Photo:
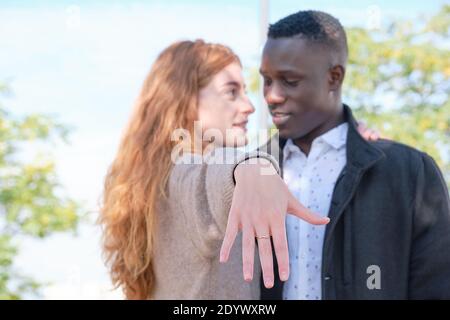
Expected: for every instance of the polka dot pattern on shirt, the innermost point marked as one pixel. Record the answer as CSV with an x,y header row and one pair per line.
x,y
311,179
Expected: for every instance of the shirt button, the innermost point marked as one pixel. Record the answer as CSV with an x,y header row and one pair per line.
x,y
326,278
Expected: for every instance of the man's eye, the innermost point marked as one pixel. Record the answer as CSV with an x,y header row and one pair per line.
x,y
291,83
267,81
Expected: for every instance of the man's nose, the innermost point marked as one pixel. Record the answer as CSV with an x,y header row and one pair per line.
x,y
274,95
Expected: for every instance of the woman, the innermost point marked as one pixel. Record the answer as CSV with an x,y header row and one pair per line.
x,y
164,219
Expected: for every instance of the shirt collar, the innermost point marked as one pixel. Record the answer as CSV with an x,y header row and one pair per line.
x,y
335,138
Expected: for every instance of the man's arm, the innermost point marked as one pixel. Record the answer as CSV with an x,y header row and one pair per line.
x,y
430,253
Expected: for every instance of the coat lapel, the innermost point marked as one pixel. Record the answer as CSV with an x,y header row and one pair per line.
x,y
361,155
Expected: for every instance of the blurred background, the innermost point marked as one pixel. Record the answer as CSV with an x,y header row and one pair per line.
x,y
69,74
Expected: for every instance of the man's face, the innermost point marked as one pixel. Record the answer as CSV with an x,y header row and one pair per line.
x,y
297,86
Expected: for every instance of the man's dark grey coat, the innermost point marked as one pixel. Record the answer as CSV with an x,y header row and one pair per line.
x,y
390,210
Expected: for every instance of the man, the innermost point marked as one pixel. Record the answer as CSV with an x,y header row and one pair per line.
x,y
389,235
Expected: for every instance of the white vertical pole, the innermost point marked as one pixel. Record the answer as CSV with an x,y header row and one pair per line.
x,y
263,112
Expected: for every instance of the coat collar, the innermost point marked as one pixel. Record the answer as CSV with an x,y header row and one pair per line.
x,y
361,154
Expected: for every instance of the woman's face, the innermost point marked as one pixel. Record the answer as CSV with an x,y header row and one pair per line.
x,y
223,108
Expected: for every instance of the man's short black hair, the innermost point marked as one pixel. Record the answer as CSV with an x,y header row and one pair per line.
x,y
315,26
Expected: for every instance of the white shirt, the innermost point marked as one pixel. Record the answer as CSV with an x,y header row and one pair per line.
x,y
311,180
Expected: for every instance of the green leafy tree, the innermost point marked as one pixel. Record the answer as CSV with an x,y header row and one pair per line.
x,y
398,80
32,201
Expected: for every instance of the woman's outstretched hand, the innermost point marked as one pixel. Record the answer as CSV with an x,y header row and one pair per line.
x,y
260,202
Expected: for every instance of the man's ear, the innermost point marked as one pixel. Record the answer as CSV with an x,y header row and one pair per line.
x,y
336,76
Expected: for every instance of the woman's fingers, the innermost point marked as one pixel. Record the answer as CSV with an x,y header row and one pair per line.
x,y
248,252
280,246
230,236
374,136
362,128
265,256
297,209
367,133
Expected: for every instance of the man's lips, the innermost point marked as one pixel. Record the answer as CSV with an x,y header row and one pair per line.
x,y
280,118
